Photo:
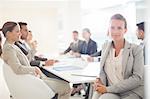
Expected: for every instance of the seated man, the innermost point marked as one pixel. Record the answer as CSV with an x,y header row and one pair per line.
x,y
89,46
19,63
29,50
141,36
74,46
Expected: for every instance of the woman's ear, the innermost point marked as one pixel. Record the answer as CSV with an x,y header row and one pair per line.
x,y
125,31
7,33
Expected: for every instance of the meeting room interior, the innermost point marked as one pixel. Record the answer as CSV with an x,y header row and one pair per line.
x,y
74,49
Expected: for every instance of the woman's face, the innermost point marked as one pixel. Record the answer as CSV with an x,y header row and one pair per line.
x,y
117,29
14,35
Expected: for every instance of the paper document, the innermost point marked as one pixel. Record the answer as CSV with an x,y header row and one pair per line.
x,y
93,70
66,68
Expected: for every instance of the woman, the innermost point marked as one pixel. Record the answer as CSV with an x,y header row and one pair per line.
x,y
11,52
122,65
19,63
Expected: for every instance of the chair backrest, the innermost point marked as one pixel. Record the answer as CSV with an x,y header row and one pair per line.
x,y
4,91
26,86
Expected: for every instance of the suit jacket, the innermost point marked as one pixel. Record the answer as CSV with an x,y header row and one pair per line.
x,y
30,53
96,54
73,47
133,68
15,58
91,47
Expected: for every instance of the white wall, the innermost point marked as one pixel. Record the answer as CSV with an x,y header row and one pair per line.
x,y
98,20
44,18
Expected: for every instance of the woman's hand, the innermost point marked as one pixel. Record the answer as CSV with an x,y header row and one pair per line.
x,y
99,87
97,82
37,72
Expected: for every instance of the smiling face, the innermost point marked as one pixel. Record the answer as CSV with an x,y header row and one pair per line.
x,y
14,34
24,32
75,36
117,29
140,34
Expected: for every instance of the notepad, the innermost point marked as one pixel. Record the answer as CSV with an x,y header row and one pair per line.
x,y
66,68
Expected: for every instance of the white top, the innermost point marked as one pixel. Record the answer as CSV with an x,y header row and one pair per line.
x,y
113,67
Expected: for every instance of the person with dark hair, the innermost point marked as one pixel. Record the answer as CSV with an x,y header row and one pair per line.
x,y
141,36
88,47
122,65
20,64
32,43
0,44
140,30
74,46
30,51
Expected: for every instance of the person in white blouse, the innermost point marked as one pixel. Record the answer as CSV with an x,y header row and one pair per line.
x,y
122,65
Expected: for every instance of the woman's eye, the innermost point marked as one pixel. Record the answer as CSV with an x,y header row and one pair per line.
x,y
119,28
112,27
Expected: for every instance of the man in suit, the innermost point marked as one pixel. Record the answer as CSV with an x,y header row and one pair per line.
x,y
74,46
19,62
140,31
89,46
141,36
27,50
122,65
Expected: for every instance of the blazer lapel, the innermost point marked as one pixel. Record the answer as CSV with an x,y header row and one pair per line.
x,y
125,56
105,52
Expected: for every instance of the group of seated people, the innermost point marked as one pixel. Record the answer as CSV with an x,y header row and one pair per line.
x,y
122,63
86,46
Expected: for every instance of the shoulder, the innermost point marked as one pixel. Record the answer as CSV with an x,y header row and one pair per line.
x,y
136,48
80,40
7,47
92,41
106,43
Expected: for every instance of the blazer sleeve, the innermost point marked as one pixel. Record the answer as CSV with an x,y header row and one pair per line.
x,y
102,74
134,81
11,58
96,54
68,49
35,63
31,54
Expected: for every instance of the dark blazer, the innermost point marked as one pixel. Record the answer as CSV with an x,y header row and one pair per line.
x,y
96,54
91,47
74,48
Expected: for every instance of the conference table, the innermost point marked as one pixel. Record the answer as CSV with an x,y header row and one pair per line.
x,y
74,70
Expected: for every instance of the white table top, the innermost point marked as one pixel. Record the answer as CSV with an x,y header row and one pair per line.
x,y
75,70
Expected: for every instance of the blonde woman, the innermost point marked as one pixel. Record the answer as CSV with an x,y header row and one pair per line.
x,y
122,65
